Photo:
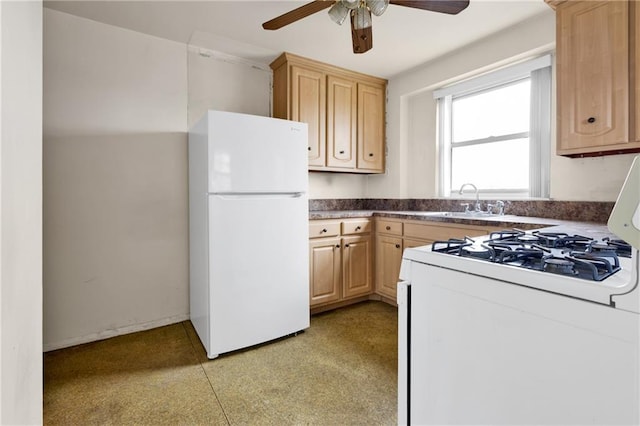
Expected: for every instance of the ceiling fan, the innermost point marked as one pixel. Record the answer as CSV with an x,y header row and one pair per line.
x,y
360,12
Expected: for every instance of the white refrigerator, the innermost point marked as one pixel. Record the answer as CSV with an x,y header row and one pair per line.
x,y
248,228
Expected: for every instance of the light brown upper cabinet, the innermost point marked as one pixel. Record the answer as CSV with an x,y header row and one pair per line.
x,y
598,85
342,108
345,111
371,100
307,89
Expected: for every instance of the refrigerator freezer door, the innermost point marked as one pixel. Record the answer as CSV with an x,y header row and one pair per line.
x,y
253,154
258,269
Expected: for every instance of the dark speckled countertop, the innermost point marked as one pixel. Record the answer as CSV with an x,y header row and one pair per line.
x,y
526,212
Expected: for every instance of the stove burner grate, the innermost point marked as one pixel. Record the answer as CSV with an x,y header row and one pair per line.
x,y
558,253
560,239
451,246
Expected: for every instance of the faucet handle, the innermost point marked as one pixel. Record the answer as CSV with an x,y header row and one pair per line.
x,y
500,205
490,208
466,207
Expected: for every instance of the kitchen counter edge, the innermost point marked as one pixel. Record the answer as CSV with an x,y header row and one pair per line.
x,y
507,221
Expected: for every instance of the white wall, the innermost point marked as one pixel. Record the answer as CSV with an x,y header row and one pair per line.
x,y
21,213
117,108
115,181
411,129
226,83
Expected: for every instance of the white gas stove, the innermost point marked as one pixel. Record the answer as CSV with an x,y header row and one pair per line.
x,y
539,327
594,268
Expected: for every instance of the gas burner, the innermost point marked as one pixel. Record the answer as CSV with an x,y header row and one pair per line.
x,y
500,247
529,258
480,252
560,239
560,266
528,238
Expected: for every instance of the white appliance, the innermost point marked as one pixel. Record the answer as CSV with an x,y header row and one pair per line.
x,y
510,339
248,227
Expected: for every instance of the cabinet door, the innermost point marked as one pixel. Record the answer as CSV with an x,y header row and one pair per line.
x,y
593,75
356,266
324,270
308,105
371,122
341,122
388,259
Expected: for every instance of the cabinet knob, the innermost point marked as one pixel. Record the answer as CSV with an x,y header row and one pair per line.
x,y
308,148
591,119
388,228
371,154
397,245
346,246
341,152
323,231
358,228
337,245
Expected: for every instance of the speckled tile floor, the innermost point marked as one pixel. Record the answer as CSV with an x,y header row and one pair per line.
x,y
341,371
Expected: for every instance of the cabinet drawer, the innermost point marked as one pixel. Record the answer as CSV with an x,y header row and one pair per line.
x,y
440,232
359,226
389,227
324,229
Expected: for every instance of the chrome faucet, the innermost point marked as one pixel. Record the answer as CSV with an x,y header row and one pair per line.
x,y
499,204
477,207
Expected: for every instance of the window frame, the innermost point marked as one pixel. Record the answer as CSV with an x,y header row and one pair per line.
x,y
539,137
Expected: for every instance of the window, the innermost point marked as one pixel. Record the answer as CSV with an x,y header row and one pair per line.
x,y
494,132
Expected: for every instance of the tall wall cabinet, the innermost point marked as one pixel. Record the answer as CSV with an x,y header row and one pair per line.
x,y
598,83
345,111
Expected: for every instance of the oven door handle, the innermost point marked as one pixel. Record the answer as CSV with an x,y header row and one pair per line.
x,y
404,351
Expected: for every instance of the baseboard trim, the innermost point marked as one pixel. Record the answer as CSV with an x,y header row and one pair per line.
x,y
106,334
343,303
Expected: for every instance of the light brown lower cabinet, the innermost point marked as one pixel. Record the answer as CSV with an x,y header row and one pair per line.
x,y
388,258
344,253
324,270
340,260
395,235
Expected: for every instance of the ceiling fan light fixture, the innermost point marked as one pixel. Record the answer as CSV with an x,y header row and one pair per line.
x,y
338,12
350,4
361,18
377,7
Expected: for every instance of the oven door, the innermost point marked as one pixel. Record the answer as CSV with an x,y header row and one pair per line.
x,y
484,351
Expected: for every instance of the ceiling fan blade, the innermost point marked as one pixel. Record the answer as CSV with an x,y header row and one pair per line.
x,y
362,38
451,7
297,14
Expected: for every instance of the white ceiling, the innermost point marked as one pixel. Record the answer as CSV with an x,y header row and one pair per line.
x,y
402,37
